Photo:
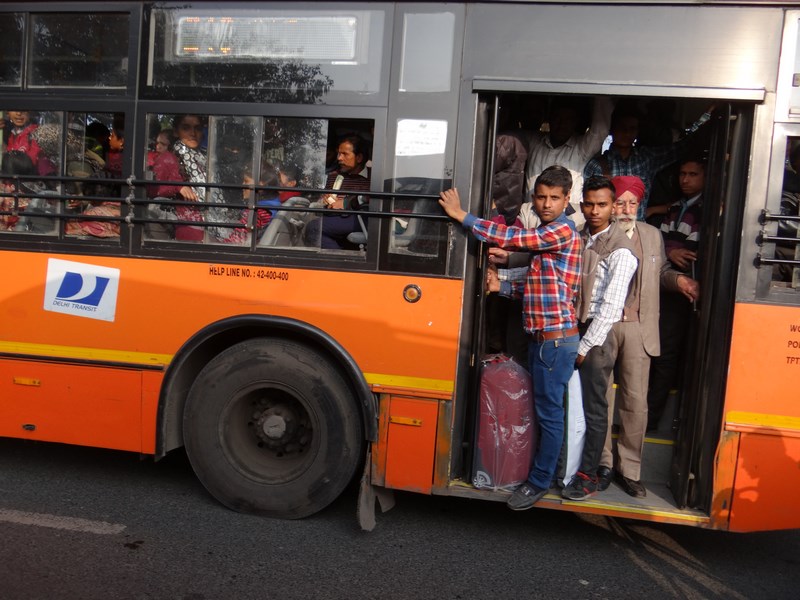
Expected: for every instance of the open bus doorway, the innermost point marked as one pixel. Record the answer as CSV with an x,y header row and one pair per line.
x,y
677,462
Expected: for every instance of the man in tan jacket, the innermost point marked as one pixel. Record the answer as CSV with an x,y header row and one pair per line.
x,y
637,337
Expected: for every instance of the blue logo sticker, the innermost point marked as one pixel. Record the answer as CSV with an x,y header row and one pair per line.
x,y
74,288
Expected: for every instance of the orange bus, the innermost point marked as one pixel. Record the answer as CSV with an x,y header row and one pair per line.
x,y
286,368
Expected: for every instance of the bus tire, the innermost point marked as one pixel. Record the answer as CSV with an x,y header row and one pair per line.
x,y
271,427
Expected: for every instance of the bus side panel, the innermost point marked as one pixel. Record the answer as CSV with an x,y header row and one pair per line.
x,y
411,443
72,404
767,483
151,390
765,361
761,405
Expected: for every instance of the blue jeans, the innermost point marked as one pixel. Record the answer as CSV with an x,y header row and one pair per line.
x,y
551,364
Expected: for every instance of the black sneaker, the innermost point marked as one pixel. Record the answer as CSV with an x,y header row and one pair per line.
x,y
580,487
631,486
524,497
604,477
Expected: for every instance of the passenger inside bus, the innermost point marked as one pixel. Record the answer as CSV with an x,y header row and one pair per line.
x,y
288,176
193,166
351,175
608,265
19,131
626,157
681,230
566,144
14,162
264,198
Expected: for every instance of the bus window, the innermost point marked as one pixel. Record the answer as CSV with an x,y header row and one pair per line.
x,y
95,143
12,30
271,162
786,272
32,150
78,50
281,55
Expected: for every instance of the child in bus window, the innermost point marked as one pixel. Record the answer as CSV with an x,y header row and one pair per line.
x,y
20,137
264,198
288,176
116,143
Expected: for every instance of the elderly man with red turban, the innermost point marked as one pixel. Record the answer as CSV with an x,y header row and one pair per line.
x,y
636,337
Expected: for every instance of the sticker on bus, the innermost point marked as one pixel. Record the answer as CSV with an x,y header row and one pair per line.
x,y
82,290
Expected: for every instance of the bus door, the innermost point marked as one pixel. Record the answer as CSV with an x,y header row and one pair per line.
x,y
475,298
705,374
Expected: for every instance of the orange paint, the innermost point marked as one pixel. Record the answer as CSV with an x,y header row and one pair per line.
x,y
761,405
161,304
767,484
411,444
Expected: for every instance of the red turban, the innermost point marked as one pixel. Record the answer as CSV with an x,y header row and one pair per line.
x,y
629,183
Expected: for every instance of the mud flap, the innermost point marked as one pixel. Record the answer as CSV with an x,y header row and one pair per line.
x,y
366,497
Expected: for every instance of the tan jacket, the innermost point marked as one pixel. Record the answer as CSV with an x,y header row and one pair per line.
x,y
653,273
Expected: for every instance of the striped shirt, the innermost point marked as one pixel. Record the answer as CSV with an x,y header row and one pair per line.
x,y
612,280
553,277
681,226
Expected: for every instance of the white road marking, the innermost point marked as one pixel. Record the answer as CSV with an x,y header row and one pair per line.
x,y
55,522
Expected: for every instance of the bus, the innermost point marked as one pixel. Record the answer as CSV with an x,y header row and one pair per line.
x,y
287,369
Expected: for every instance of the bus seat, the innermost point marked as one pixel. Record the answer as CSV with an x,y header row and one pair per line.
x,y
286,227
422,206
359,237
418,234
40,206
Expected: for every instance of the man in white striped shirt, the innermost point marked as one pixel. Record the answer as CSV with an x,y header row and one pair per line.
x,y
608,266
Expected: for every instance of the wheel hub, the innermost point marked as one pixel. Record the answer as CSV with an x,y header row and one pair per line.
x,y
280,428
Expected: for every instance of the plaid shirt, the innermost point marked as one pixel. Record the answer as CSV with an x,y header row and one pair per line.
x,y
553,278
644,162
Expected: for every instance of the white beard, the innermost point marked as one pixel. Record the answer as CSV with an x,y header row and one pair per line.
x,y
626,224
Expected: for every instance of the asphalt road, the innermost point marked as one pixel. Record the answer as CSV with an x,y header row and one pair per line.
x,y
92,524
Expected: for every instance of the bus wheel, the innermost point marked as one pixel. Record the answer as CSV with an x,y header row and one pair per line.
x,y
271,427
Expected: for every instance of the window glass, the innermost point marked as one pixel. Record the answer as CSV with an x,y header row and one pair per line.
x,y
289,56
427,59
12,30
78,50
32,149
794,93
216,179
48,158
95,142
785,274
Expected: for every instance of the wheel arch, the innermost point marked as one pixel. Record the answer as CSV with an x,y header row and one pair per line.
x,y
207,343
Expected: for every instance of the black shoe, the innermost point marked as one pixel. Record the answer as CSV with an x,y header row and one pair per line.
x,y
524,497
580,488
604,476
631,487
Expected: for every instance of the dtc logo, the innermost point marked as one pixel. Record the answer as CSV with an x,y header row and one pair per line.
x,y
82,289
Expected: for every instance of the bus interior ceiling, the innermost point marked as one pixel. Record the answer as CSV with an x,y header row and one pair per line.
x,y
662,122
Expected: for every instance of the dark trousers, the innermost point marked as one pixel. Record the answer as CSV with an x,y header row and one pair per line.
x,y
595,372
505,330
675,320
332,231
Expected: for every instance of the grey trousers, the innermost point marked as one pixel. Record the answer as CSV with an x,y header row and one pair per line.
x,y
632,374
595,374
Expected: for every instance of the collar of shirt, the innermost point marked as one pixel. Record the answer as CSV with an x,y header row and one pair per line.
x,y
592,237
692,201
568,144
